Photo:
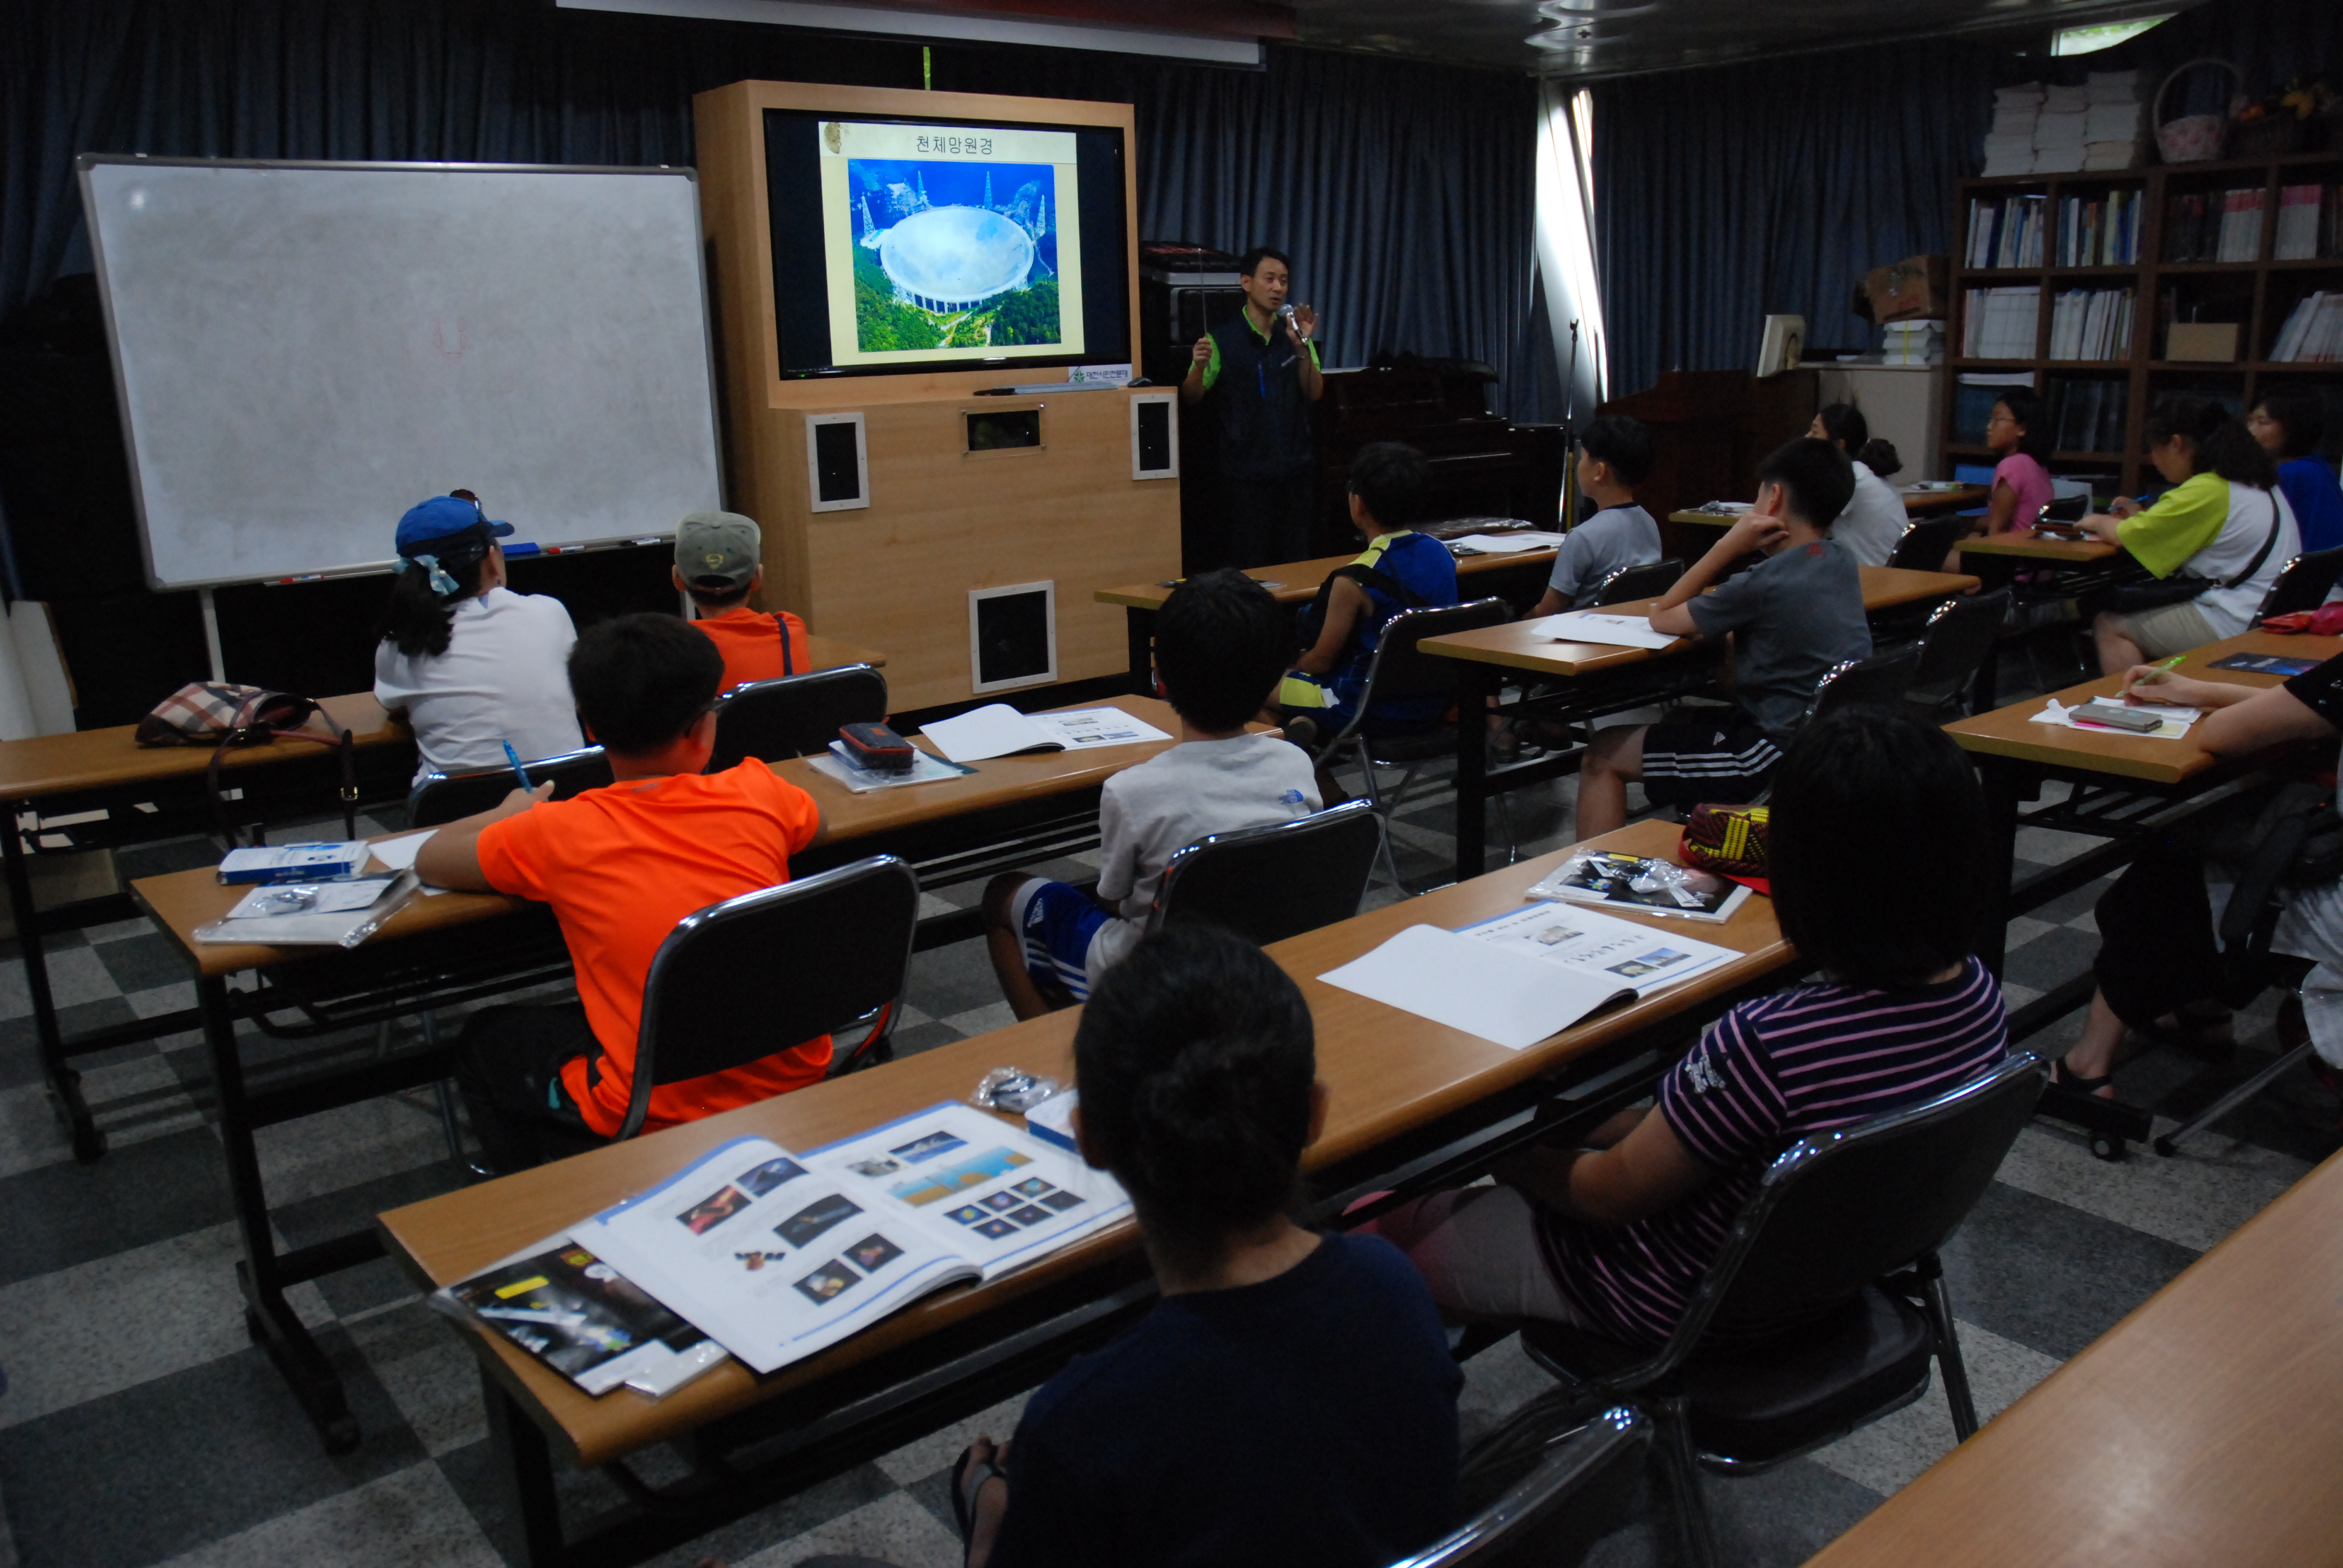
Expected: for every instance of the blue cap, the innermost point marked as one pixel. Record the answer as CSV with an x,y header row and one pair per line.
x,y
444,517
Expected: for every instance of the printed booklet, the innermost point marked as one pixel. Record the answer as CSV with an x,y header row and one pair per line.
x,y
1000,730
574,1313
775,1255
1647,885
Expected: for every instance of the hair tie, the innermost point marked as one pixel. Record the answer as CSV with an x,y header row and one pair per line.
x,y
441,583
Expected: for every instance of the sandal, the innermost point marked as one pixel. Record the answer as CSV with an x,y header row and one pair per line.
x,y
963,1495
2074,1083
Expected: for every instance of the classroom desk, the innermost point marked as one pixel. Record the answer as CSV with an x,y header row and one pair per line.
x,y
2060,569
1293,584
1608,678
1682,535
2121,784
1394,1082
2203,1428
452,946
93,789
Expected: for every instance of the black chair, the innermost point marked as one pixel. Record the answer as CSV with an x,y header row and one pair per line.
x,y
1841,1240
2067,509
1552,1516
2303,583
446,797
1400,671
1647,581
1269,883
1923,544
1879,682
762,972
1961,636
796,714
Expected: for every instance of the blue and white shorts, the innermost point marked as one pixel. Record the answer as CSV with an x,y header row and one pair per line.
x,y
1056,922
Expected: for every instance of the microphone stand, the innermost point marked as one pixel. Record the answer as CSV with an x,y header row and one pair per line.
x,y
1570,438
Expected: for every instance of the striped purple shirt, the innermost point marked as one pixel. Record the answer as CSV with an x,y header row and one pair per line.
x,y
1766,1075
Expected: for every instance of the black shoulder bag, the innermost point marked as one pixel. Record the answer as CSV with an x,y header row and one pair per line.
x,y
2181,587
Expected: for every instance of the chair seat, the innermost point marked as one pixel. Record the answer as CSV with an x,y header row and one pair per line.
x,y
1759,1402
1412,746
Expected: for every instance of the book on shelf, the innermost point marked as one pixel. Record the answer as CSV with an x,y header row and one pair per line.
x,y
2099,231
2090,416
2091,324
775,1255
1999,323
2313,333
2241,226
2008,232
2306,222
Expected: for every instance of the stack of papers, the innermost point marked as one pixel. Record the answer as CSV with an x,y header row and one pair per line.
x,y
2009,143
2115,122
1505,544
1912,343
1000,730
2058,131
1597,627
1521,978
2177,719
925,769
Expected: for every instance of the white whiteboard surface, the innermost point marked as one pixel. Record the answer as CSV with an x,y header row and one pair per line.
x,y
306,350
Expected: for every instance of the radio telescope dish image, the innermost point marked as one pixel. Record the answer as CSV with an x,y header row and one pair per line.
x,y
953,254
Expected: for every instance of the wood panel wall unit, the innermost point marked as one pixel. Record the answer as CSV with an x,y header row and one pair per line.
x,y
943,519
1711,428
2168,284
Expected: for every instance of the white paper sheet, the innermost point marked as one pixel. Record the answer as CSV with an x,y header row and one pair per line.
x,y
924,769
1505,997
1590,943
1086,729
1594,626
399,853
2177,719
996,729
1505,544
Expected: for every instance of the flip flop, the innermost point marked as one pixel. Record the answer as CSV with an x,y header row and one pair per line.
x,y
963,1495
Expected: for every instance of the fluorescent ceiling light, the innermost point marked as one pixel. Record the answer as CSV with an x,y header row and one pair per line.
x,y
2107,36
836,18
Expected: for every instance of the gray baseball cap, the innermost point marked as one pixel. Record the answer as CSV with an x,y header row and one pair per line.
x,y
717,545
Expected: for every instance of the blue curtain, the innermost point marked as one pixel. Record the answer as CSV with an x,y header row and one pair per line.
x,y
1725,195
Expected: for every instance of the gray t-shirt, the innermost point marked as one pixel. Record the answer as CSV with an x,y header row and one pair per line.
x,y
1149,813
1793,614
1613,537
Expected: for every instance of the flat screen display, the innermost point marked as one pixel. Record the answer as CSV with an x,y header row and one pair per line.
x,y
915,244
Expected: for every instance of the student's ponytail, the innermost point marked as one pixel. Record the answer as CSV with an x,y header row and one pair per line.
x,y
1878,454
418,619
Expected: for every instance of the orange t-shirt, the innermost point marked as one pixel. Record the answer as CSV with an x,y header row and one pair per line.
x,y
750,642
620,866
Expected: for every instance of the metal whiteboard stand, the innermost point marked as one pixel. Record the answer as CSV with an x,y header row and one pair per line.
x,y
211,633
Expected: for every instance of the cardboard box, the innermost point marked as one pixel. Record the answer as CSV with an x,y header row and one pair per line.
x,y
2206,342
1917,286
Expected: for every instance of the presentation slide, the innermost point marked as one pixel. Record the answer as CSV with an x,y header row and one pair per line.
x,y
949,242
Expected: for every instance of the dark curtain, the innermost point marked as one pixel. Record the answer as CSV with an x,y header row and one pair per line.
x,y
1723,195
1403,192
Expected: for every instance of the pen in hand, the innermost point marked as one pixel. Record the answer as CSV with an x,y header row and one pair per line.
x,y
2154,676
519,772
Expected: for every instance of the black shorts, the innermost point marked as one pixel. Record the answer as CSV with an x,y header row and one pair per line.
x,y
1691,761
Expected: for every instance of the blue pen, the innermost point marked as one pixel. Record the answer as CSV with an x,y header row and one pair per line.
x,y
519,772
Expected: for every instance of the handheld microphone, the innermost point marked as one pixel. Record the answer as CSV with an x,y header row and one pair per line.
x,y
1285,314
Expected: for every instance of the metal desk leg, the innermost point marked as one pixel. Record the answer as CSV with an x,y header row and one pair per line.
x,y
64,1083
268,1317
1138,626
1474,683
525,1466
2002,779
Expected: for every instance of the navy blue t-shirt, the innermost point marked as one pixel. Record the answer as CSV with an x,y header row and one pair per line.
x,y
1308,1422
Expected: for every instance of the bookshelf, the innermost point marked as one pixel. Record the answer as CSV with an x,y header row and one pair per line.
x,y
2255,295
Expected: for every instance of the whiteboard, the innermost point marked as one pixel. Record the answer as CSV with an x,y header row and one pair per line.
x,y
306,350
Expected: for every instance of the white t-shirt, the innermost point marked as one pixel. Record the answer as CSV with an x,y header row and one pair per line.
x,y
1614,537
505,677
2242,533
1149,813
1872,521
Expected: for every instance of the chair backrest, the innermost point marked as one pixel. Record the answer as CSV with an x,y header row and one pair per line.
x,y
2303,583
2067,508
1545,1517
1269,883
447,797
1962,635
1973,473
1840,1210
1879,682
1923,544
760,973
1646,581
796,714
1400,671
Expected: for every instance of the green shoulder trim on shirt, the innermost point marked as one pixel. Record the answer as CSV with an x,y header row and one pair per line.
x,y
1373,556
2184,521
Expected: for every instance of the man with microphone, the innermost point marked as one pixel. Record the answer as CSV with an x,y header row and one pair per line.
x,y
1260,369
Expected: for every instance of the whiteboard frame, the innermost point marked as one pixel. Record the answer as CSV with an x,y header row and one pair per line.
x,y
85,163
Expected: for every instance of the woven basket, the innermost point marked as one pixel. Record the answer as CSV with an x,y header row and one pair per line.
x,y
2193,138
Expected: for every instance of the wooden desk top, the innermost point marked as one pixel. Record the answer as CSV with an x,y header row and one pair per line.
x,y
1298,581
104,759
2011,732
182,900
2031,546
1385,1072
2203,1428
1914,503
1517,647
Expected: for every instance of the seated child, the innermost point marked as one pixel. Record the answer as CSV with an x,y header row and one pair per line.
x,y
1614,457
1875,518
720,562
620,866
1292,1397
1615,1239
471,663
1220,642
1399,570
1793,617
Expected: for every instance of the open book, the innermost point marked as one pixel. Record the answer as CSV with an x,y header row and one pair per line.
x,y
1000,730
574,1314
1646,884
776,1255
1602,626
